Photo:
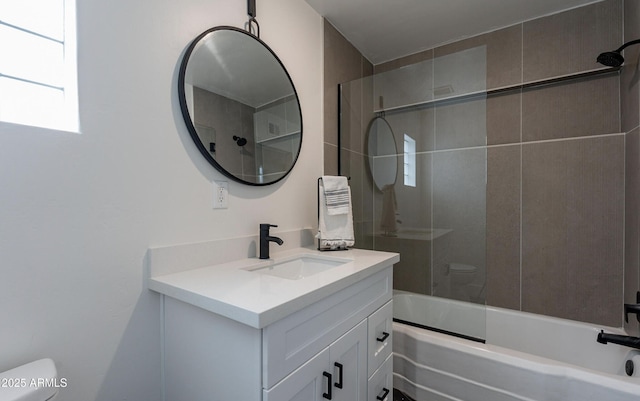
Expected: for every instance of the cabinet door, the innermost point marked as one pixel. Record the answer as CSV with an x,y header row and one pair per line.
x,y
338,373
348,356
310,382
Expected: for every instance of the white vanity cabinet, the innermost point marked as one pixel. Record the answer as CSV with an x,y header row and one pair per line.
x,y
337,348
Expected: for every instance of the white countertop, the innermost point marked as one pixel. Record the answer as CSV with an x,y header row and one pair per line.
x,y
258,299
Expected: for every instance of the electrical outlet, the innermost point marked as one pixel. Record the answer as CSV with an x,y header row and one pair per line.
x,y
220,194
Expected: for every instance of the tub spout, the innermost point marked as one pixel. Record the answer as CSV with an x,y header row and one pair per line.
x,y
627,341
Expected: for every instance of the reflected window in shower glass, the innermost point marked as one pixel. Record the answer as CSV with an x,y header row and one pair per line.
x,y
409,161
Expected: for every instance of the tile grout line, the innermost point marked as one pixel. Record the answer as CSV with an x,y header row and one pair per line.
x,y
502,145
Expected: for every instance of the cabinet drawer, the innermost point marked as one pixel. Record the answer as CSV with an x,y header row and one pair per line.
x,y
306,383
380,336
290,342
381,383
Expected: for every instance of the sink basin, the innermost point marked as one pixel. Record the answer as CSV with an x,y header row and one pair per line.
x,y
298,267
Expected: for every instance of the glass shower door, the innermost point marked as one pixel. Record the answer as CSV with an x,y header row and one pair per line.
x,y
425,126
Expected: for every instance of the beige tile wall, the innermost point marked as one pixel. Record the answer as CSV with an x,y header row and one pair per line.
x,y
504,59
570,41
503,226
577,109
342,63
558,202
572,228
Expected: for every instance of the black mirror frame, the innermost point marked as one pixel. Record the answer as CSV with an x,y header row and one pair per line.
x,y
370,157
187,116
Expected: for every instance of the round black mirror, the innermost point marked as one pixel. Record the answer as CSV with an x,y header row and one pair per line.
x,y
240,106
382,153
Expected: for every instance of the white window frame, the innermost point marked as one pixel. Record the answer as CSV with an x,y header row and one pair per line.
x,y
69,116
409,161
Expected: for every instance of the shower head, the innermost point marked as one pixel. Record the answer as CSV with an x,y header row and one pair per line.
x,y
239,141
614,58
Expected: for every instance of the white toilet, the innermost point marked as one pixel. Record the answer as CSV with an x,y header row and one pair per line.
x,y
461,275
35,381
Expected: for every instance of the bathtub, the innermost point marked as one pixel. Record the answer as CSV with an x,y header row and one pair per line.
x,y
525,356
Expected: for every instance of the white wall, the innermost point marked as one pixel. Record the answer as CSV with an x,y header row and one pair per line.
x,y
78,212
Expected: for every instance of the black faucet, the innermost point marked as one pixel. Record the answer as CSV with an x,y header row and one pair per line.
x,y
265,238
627,341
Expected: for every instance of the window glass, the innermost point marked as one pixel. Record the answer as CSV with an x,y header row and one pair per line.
x,y
30,57
44,17
409,161
38,80
31,104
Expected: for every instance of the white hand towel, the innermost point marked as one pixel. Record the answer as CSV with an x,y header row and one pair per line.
x,y
337,194
334,231
389,209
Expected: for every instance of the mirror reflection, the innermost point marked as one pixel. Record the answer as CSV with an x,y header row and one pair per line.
x,y
383,154
240,106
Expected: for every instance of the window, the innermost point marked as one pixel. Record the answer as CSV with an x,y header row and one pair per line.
x,y
38,80
409,161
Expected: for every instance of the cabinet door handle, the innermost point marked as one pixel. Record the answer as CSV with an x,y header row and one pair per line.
x,y
339,382
385,335
327,395
383,394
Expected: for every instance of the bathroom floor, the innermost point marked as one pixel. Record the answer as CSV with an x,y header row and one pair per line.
x,y
400,396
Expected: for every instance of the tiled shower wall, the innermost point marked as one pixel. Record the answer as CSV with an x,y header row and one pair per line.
x,y
563,186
